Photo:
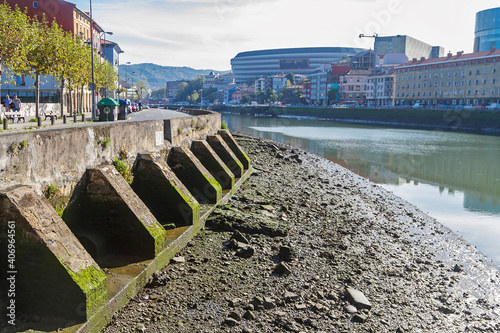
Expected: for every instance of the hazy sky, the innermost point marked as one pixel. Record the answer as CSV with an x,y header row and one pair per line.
x,y
206,34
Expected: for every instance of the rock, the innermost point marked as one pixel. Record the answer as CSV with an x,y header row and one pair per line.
x,y
301,306
359,318
234,303
246,330
249,315
358,298
238,236
169,226
256,301
458,269
350,309
286,253
269,303
235,315
268,208
178,260
141,327
282,269
290,297
246,252
231,321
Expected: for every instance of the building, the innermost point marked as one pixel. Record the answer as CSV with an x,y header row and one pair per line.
x,y
353,85
381,88
319,87
261,84
411,47
306,91
279,82
77,22
466,79
212,80
173,88
487,31
253,65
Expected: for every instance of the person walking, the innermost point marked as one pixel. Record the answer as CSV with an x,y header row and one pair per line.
x,y
17,107
6,103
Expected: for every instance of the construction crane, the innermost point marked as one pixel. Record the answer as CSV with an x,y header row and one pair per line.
x,y
368,36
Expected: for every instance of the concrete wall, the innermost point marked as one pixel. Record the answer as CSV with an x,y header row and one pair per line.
x,y
61,156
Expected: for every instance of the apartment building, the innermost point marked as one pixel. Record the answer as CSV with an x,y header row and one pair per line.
x,y
353,86
466,79
381,88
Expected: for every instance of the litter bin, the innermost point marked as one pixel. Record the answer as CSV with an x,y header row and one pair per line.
x,y
122,114
108,109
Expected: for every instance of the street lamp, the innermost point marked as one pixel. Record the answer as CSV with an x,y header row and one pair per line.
x,y
103,50
92,86
126,81
132,78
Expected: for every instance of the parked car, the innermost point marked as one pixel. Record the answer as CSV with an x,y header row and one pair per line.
x,y
134,108
459,107
493,106
469,107
479,107
417,106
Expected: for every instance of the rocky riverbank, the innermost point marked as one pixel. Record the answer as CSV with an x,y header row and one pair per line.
x,y
308,246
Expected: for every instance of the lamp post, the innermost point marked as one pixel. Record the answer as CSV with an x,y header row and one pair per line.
x,y
92,86
126,80
132,78
103,50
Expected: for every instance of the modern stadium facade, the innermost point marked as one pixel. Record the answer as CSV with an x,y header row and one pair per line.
x,y
257,64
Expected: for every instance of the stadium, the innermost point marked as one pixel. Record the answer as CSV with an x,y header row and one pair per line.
x,y
257,64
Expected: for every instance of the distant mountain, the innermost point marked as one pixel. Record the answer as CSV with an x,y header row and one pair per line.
x,y
157,75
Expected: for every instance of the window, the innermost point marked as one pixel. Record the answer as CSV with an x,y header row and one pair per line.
x,y
493,91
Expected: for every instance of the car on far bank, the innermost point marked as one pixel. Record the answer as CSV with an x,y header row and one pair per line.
x,y
417,106
493,106
469,107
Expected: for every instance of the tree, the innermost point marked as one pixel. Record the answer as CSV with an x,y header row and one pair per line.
x,y
333,95
14,29
245,99
41,55
105,75
142,90
290,77
272,96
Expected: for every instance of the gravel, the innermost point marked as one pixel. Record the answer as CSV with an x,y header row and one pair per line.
x,y
308,246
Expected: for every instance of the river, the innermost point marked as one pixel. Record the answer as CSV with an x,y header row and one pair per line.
x,y
453,177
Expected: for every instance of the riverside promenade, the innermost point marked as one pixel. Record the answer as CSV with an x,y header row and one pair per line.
x,y
31,124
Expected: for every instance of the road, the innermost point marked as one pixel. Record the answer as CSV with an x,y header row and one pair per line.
x,y
151,114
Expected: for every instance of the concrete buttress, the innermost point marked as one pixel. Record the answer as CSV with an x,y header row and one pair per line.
x,y
194,175
212,162
226,155
235,147
111,221
54,275
165,195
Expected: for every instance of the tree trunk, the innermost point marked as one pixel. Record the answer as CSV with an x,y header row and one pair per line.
x,y
37,99
61,96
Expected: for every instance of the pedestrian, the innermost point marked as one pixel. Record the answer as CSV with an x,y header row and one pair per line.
x,y
17,104
6,103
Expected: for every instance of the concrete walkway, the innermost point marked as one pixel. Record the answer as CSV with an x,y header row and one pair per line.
x,y
30,123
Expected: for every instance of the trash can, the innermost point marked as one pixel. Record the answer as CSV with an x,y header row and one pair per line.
x,y
108,109
122,114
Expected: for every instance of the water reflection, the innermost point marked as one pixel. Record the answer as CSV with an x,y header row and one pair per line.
x,y
457,168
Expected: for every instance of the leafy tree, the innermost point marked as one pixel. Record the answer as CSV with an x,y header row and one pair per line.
x,y
333,95
290,77
105,75
141,88
272,96
245,99
41,55
186,90
14,37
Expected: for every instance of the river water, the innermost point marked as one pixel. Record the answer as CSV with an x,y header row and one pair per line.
x,y
453,177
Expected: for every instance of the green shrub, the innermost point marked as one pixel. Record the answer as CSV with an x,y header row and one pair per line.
x,y
104,143
51,191
124,170
223,125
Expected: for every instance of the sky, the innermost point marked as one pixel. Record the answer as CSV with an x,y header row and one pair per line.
x,y
206,34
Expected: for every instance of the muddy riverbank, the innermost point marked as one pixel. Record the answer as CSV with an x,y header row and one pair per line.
x,y
308,246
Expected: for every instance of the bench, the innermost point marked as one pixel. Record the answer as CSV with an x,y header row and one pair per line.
x,y
13,115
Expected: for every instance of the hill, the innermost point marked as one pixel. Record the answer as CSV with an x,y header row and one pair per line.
x,y
157,75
